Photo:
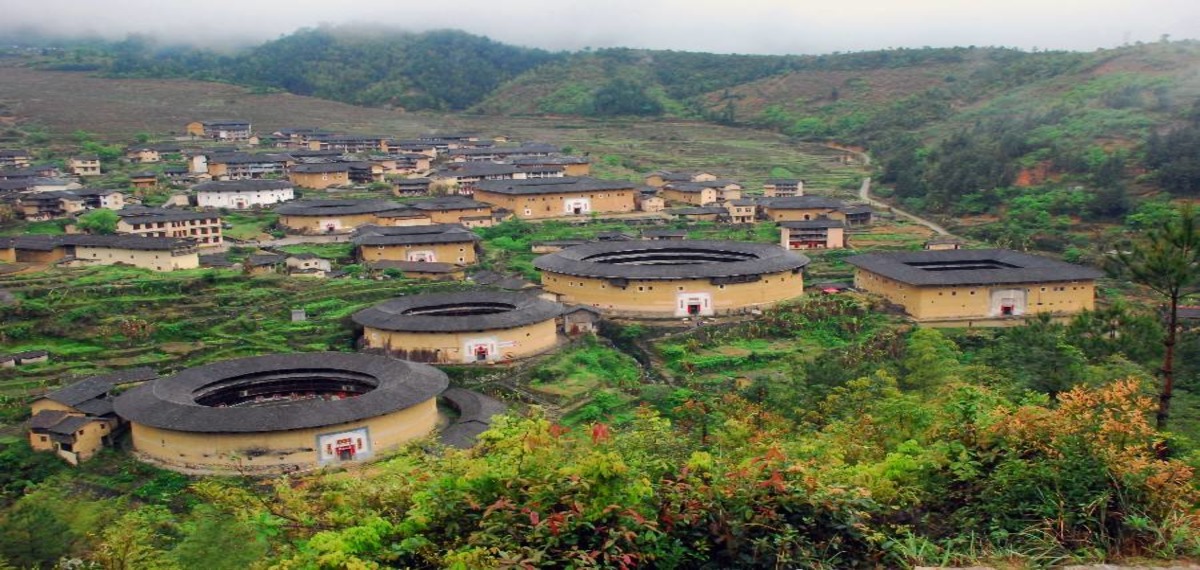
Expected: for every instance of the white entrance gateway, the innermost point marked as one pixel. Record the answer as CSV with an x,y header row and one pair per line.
x,y
693,305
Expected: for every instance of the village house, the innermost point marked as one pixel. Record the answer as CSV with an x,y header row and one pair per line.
x,y
220,130
84,165
438,243
501,153
456,210
415,147
555,197
858,215
240,165
12,158
143,180
699,213
423,270
142,155
742,211
691,193
23,358
243,194
313,217
783,187
945,242
36,184
320,176
154,253
467,175
100,198
362,172
264,263
408,163
352,144
580,319
661,178
297,137
203,227
653,235
410,187
307,264
40,206
570,165
821,233
33,249
649,201
975,287
77,421
800,208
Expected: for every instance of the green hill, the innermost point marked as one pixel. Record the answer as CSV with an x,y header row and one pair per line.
x,y
954,131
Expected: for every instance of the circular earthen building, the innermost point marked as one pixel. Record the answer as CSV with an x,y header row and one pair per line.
x,y
461,328
282,412
661,279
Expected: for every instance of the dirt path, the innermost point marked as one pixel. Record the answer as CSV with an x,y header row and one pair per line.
x,y
864,192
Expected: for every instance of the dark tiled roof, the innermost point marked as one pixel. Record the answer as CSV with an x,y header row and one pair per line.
x,y
69,425
336,207
691,187
665,233
137,215
128,242
500,281
46,419
413,235
552,185
802,203
857,209
975,267
263,260
97,386
475,416
783,181
215,260
812,224
697,210
321,167
243,186
671,259
448,203
170,403
404,313
1189,313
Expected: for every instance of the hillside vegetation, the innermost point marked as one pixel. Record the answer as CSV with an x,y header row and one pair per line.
x,y
955,131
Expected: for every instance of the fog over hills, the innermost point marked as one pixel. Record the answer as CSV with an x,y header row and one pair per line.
x,y
753,26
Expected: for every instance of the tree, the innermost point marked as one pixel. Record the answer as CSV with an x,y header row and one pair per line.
x,y
930,360
100,221
1167,260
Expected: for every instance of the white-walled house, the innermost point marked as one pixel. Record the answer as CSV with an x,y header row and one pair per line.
x,y
243,194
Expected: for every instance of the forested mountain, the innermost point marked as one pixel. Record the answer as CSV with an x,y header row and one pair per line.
x,y
442,70
956,131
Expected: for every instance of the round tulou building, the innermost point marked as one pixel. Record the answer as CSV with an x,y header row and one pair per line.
x,y
283,412
461,328
662,279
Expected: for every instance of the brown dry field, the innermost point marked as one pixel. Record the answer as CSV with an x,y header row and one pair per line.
x,y
117,109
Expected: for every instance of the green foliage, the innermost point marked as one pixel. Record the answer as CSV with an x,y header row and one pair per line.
x,y
101,221
930,360
33,535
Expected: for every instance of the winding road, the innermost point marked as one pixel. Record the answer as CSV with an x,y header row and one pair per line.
x,y
864,193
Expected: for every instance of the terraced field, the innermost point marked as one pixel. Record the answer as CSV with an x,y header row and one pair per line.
x,y
100,319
